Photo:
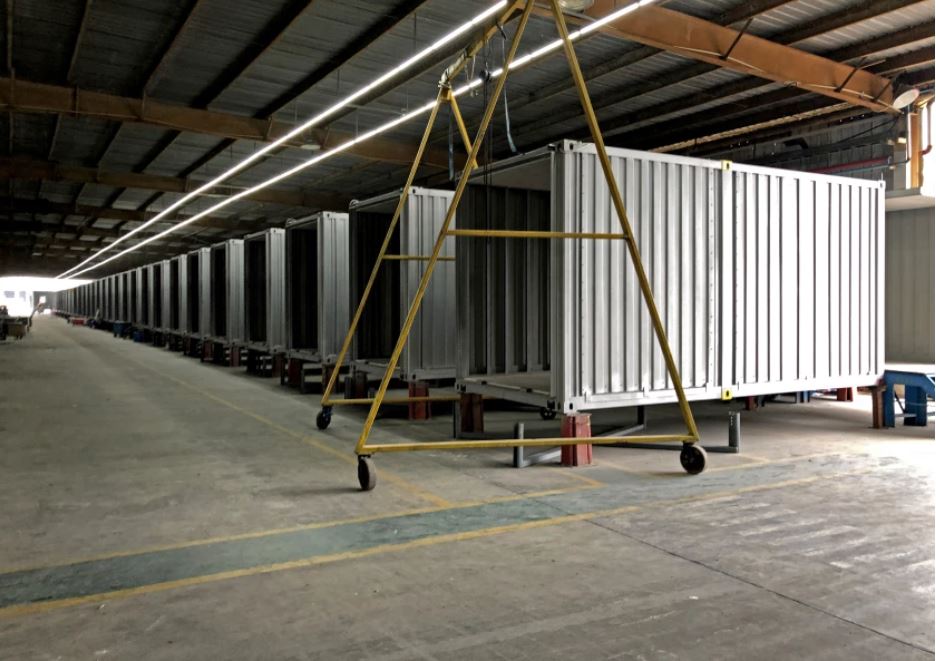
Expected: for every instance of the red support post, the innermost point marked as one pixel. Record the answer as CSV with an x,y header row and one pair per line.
x,y
845,394
419,410
576,426
877,406
471,412
278,363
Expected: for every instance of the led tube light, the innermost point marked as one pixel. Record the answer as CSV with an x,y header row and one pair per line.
x,y
516,64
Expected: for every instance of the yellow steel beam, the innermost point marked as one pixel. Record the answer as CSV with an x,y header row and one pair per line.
x,y
527,443
395,400
533,234
414,258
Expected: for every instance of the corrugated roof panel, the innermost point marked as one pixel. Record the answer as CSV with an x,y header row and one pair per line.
x,y
47,30
133,142
216,34
922,12
32,135
123,42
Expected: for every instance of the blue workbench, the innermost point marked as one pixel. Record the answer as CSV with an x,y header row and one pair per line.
x,y
919,382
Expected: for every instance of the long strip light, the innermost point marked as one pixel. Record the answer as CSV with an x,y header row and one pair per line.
x,y
383,128
305,126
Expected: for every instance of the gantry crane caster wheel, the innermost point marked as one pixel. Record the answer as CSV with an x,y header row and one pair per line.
x,y
323,419
366,473
547,414
693,458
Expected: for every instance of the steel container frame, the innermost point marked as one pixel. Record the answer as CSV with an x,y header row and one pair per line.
x,y
179,304
430,353
734,292
318,289
165,295
153,280
265,291
123,296
137,296
198,296
226,301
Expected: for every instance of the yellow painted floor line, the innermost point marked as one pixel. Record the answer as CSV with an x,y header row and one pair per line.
x,y
346,457
770,462
577,474
40,607
364,518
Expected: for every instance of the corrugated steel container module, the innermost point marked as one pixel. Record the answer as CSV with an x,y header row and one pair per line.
x,y
909,296
430,351
136,295
108,309
318,291
165,295
198,296
143,297
265,290
178,281
572,331
227,291
123,290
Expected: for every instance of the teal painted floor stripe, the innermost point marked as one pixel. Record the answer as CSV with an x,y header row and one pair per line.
x,y
134,571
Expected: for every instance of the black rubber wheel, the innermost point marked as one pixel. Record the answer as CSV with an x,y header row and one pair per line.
x,y
323,419
547,414
693,458
366,473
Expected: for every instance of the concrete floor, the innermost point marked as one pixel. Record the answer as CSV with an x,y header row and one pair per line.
x,y
158,508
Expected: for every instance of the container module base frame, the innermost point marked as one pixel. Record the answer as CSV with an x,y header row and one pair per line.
x,y
692,455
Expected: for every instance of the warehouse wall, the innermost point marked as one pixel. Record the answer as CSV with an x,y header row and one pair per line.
x,y
910,271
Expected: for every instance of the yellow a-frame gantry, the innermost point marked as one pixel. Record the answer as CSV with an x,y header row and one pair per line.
x,y
692,456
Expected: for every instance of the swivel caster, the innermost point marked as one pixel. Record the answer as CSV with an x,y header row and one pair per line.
x,y
547,414
692,457
323,419
366,473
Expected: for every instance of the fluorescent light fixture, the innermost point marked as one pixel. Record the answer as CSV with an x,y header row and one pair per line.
x,y
305,126
516,64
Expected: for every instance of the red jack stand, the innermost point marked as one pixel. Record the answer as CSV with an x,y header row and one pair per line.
x,y
278,365
471,412
845,394
419,410
576,426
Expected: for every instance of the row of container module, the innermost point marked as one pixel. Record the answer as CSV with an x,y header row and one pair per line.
x,y
767,281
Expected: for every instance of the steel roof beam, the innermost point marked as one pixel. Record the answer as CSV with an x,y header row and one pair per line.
x,y
36,170
702,33
741,13
680,129
46,207
773,60
750,128
26,96
620,124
